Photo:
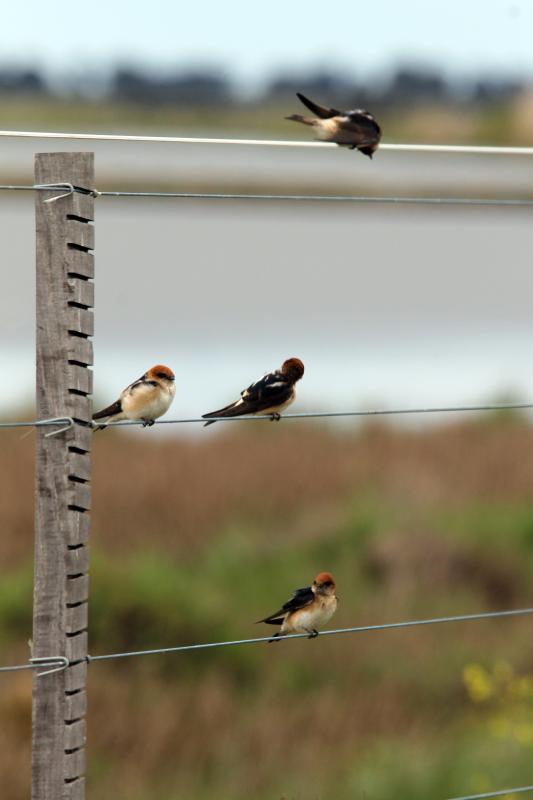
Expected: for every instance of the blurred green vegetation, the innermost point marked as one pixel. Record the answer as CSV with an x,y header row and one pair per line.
x,y
194,539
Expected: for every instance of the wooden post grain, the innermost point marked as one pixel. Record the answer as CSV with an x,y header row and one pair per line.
x,y
65,293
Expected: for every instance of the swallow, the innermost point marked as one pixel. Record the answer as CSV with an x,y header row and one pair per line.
x,y
356,129
268,395
307,610
145,399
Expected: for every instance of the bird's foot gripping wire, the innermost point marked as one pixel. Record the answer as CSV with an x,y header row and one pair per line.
x,y
275,417
313,634
147,423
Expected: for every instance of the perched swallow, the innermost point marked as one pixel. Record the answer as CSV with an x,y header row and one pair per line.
x,y
307,610
268,395
146,399
355,129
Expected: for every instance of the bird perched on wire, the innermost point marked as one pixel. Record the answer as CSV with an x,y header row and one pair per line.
x,y
307,610
356,129
145,399
267,395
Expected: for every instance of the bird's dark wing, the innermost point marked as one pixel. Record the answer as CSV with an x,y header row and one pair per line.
x,y
143,381
267,392
272,389
320,111
114,408
361,122
300,598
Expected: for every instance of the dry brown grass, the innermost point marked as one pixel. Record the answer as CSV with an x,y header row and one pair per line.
x,y
185,491
190,489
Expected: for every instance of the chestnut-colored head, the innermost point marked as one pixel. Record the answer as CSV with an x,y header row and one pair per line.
x,y
293,369
160,372
324,583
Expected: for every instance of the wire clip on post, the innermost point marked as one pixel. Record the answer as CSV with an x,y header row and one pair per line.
x,y
47,186
58,664
64,422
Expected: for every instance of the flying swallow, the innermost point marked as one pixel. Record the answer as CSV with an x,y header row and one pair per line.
x,y
268,395
145,399
307,610
356,129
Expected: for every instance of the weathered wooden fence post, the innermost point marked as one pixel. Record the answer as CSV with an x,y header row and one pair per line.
x,y
63,469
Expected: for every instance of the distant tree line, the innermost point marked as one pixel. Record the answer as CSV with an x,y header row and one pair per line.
x,y
21,81
405,86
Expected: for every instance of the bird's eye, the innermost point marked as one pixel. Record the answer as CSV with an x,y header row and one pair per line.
x,y
161,375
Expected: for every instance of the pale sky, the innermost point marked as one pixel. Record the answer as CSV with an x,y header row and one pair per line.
x,y
251,40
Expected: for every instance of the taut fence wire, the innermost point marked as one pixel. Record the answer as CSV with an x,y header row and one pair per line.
x,y
387,147
69,189
67,422
484,615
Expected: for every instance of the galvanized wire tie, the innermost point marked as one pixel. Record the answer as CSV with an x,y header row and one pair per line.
x,y
64,424
57,664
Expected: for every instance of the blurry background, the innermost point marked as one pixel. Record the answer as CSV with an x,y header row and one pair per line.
x,y
198,533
